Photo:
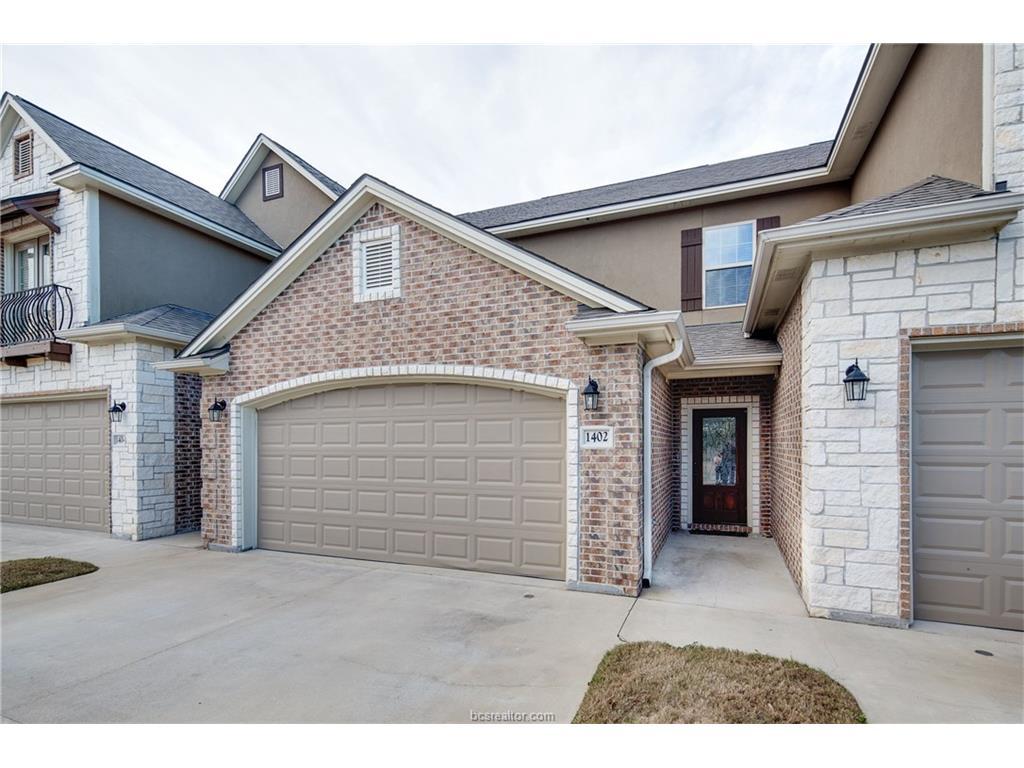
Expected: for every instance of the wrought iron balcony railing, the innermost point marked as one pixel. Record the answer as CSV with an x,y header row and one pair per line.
x,y
37,314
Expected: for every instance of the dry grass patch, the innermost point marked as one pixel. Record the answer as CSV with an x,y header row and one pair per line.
x,y
18,574
660,683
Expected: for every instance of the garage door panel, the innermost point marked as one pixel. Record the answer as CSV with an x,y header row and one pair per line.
x,y
967,486
56,463
435,474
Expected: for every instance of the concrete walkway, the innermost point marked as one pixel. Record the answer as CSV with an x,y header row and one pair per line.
x,y
168,632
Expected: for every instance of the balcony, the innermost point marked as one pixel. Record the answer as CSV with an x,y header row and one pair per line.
x,y
31,322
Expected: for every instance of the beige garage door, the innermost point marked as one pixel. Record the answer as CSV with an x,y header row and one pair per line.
x,y
54,459
968,486
452,475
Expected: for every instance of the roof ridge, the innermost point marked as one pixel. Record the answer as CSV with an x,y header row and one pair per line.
x,y
649,177
111,143
296,156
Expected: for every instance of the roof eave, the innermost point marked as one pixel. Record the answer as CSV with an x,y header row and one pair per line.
x,y
77,176
939,224
217,365
254,158
115,333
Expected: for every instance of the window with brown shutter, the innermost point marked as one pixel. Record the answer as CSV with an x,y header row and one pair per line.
x,y
692,269
273,182
22,155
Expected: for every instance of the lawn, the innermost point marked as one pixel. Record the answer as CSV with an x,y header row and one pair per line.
x,y
18,574
661,683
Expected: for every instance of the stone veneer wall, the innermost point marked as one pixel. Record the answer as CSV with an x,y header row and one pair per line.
x,y
141,446
460,308
786,444
188,453
725,392
69,247
664,458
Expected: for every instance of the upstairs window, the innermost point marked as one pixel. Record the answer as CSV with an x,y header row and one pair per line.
x,y
273,182
728,263
23,155
376,269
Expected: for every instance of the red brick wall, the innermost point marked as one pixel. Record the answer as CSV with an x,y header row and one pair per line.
x,y
664,458
729,386
786,443
457,307
188,480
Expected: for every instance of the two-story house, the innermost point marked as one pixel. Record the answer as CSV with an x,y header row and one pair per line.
x,y
111,264
822,345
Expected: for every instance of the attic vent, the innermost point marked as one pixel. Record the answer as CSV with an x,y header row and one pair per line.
x,y
22,155
376,265
273,185
786,274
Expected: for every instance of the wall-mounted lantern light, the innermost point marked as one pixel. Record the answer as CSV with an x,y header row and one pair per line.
x,y
217,409
856,382
116,411
591,396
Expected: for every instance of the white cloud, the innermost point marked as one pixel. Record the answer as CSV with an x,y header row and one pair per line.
x,y
464,128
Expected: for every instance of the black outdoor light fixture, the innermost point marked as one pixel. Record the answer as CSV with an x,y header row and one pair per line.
x,y
116,411
217,409
856,382
591,396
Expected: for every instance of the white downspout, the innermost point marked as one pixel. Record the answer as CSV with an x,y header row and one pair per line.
x,y
668,357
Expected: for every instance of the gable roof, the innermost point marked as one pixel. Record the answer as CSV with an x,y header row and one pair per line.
x,y
254,157
81,147
686,180
927,191
165,317
337,219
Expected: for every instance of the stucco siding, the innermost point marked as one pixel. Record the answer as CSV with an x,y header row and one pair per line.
x,y
641,256
933,124
146,260
286,217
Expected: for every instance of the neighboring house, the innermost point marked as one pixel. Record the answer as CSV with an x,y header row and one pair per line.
x,y
110,264
407,385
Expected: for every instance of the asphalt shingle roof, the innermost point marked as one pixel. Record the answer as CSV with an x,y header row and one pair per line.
x,y
323,178
90,150
726,340
686,180
165,317
929,191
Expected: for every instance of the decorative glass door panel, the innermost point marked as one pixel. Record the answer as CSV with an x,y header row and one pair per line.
x,y
720,467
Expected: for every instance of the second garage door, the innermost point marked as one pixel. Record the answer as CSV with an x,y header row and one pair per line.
x,y
968,503
453,475
54,463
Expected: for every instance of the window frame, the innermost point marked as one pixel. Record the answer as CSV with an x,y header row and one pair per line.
x,y
43,266
279,167
704,268
15,141
360,241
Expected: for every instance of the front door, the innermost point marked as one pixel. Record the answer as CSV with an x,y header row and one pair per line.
x,y
720,467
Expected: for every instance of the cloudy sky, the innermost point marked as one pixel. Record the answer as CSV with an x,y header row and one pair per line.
x,y
464,128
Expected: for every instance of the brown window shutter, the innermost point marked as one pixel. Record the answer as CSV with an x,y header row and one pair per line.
x,y
771,222
692,240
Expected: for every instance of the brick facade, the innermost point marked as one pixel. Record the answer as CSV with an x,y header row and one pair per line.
x,y
664,458
727,391
188,424
456,308
786,445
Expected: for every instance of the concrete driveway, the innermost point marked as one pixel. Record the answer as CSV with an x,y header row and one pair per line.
x,y
168,632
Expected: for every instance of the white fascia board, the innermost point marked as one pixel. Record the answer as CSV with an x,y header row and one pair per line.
x,y
77,176
204,366
113,333
992,211
883,69
9,104
346,211
254,159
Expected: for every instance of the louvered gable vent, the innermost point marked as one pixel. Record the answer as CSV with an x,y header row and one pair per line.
x,y
23,155
378,271
376,264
